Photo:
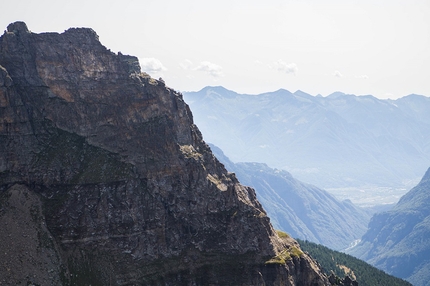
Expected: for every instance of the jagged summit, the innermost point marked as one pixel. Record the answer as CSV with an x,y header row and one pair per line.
x,y
105,179
17,28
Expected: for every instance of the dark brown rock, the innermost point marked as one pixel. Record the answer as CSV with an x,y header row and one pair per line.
x,y
128,191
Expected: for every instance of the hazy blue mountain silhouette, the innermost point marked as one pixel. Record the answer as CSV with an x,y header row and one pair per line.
x,y
302,210
398,241
335,141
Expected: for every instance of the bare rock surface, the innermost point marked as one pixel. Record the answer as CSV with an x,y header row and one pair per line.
x,y
106,176
27,249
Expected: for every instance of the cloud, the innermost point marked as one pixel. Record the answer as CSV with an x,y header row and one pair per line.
x,y
186,64
210,68
337,74
286,67
151,65
362,76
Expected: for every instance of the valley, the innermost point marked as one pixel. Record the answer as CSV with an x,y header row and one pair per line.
x,y
368,196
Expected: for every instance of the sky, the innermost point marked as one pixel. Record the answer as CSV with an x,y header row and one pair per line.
x,y
361,47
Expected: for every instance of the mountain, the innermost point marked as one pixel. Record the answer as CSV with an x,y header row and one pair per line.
x,y
302,210
342,264
338,142
105,180
398,241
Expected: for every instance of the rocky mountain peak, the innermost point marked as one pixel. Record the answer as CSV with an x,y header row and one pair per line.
x,y
18,28
118,185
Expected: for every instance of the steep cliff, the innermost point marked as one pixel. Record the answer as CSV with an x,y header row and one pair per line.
x,y
105,180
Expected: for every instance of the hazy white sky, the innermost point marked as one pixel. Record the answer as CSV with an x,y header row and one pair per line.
x,y
378,47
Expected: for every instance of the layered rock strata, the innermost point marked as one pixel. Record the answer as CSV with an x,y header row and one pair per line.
x,y
105,180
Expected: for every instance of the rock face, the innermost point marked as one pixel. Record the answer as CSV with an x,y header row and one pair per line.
x,y
398,241
105,180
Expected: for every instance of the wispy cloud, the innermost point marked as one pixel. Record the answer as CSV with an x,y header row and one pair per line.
x,y
337,74
151,65
186,64
210,68
362,76
282,66
258,63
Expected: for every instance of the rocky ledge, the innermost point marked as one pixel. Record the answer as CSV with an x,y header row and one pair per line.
x,y
105,180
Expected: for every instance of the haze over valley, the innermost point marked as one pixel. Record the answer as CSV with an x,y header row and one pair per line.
x,y
369,150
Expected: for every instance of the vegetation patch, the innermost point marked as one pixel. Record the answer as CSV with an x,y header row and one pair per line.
x,y
152,81
282,234
347,271
285,255
217,182
342,264
190,152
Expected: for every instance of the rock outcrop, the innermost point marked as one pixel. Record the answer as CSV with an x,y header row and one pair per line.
x,y
105,180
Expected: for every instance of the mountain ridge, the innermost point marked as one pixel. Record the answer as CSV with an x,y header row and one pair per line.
x,y
336,142
114,180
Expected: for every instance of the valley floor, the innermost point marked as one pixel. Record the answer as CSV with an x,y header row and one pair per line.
x,y
370,196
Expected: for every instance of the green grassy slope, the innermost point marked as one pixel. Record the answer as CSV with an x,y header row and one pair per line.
x,y
343,264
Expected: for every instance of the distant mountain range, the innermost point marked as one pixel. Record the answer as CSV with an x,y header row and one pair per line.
x,y
302,210
398,241
336,142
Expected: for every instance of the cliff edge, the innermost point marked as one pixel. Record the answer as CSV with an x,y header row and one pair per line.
x,y
105,180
